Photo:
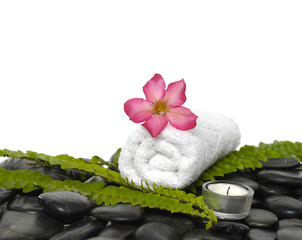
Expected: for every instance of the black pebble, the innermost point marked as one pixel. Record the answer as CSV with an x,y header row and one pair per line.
x,y
261,234
116,230
290,233
268,189
158,231
281,163
292,178
229,227
180,224
25,225
6,194
249,182
97,179
123,213
26,203
284,206
290,222
261,218
203,234
81,230
65,205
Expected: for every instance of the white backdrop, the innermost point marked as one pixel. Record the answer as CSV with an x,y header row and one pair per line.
x,y
67,67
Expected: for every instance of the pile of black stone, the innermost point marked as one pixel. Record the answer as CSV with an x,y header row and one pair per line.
x,y
276,211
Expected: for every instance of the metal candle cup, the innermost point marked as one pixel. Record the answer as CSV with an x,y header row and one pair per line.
x,y
229,200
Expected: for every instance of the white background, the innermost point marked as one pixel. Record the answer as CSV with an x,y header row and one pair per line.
x,y
67,67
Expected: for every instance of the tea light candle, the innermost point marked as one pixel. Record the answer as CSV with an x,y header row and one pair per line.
x,y
229,200
227,189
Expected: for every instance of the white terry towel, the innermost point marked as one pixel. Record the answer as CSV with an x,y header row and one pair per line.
x,y
177,158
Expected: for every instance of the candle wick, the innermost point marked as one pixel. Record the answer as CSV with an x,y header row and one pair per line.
x,y
228,190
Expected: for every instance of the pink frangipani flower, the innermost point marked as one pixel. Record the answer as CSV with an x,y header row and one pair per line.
x,y
162,105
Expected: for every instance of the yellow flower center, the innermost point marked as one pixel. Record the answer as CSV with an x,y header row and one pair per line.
x,y
160,108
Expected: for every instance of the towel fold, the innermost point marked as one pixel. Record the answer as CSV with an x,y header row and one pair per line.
x,y
177,158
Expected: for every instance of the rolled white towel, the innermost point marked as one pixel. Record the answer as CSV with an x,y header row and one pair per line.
x,y
177,158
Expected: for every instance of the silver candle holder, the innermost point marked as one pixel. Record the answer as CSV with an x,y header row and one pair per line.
x,y
229,200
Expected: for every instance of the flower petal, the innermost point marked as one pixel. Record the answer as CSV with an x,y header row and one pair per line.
x,y
175,94
138,109
154,89
155,125
181,118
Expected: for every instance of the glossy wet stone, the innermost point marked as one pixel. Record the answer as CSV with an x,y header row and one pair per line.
x,y
180,224
291,178
290,233
284,206
25,203
249,182
119,213
261,234
229,227
124,231
15,164
105,238
203,234
269,189
97,179
290,222
22,164
78,174
261,218
6,194
81,230
55,172
158,231
24,225
281,163
65,205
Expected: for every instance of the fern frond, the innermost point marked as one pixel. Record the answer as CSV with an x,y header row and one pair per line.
x,y
251,157
33,180
68,162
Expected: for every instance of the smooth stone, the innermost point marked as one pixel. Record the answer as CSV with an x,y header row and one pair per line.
x,y
25,204
79,175
81,230
284,206
261,218
203,234
97,179
122,213
117,230
290,222
180,224
6,194
261,234
229,227
24,225
239,174
66,206
55,172
285,177
249,182
268,189
105,238
158,231
16,164
281,163
21,164
290,233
